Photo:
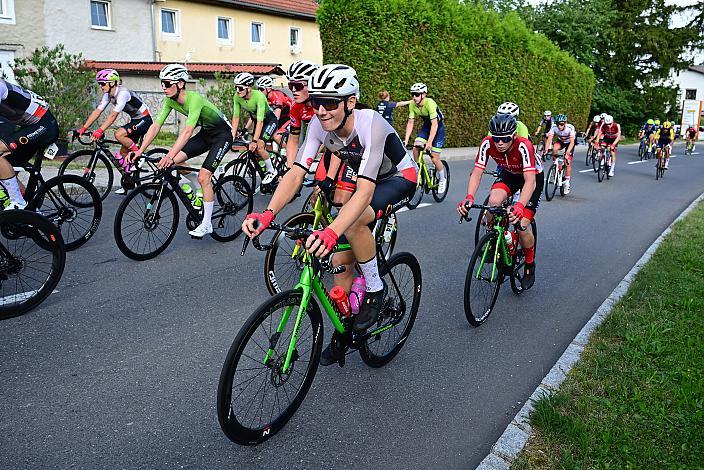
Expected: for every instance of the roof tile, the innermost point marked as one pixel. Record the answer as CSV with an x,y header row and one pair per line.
x,y
205,68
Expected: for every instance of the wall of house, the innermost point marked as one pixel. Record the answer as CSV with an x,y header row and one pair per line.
x,y
21,34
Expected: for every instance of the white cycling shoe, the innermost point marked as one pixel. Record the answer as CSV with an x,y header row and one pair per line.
x,y
268,178
201,231
442,186
611,172
568,187
121,191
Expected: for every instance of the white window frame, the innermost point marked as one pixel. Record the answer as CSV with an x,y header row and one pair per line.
x,y
295,48
262,35
108,12
230,22
177,24
8,12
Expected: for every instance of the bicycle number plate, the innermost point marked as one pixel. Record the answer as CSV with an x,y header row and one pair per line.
x,y
51,151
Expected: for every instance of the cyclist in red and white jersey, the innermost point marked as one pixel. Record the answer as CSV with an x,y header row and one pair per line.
x,y
279,103
566,135
609,134
518,170
298,75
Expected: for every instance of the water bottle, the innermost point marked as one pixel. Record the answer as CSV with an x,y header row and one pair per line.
x,y
262,165
198,202
338,295
4,198
509,241
188,191
359,288
389,229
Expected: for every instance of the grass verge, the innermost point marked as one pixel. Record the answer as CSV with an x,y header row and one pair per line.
x,y
636,397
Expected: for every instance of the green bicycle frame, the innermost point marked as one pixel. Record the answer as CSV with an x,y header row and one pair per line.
x,y
321,211
423,168
500,245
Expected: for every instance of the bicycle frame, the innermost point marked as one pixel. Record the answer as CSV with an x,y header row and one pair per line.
x,y
500,245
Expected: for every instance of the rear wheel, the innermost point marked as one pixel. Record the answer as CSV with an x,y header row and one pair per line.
x,y
551,183
79,164
483,281
482,222
601,166
233,201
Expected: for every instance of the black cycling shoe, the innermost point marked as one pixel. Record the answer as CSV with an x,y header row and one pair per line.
x,y
369,311
333,353
528,276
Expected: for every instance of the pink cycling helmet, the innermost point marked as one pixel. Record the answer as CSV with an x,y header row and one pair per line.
x,y
107,75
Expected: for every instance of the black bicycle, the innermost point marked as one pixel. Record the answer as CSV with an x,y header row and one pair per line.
x,y
147,219
98,163
32,260
248,166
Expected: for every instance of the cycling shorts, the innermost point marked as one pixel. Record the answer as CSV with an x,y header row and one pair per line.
x,y
606,141
512,182
216,143
25,142
663,143
136,128
562,145
438,141
391,194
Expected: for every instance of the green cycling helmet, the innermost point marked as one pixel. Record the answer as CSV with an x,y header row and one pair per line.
x,y
657,122
561,118
650,122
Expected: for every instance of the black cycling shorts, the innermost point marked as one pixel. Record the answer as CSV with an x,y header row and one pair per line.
x,y
391,194
511,183
216,143
24,142
136,128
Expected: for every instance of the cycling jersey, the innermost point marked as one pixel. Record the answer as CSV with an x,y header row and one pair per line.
x,y
691,131
256,106
19,106
386,108
546,124
648,129
427,112
610,132
519,159
279,100
301,113
199,112
127,101
665,135
563,135
373,150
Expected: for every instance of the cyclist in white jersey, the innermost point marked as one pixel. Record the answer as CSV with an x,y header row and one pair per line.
x,y
565,134
386,179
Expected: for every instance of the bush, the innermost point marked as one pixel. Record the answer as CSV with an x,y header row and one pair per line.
x,y
61,79
472,60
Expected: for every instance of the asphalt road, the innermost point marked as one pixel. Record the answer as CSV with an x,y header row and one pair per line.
x,y
119,368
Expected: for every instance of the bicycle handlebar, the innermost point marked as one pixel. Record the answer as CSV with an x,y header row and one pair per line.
x,y
102,141
502,208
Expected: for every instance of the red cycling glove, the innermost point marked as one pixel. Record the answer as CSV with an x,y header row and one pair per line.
x,y
518,210
263,218
327,236
81,131
98,133
467,201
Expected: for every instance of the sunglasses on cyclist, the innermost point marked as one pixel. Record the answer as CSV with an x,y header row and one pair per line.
x,y
296,86
561,123
505,138
329,104
167,84
240,88
416,94
103,83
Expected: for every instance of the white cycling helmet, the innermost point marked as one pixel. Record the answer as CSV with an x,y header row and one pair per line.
x,y
301,71
174,72
244,79
608,119
265,82
508,108
419,88
597,118
334,80
547,114
603,115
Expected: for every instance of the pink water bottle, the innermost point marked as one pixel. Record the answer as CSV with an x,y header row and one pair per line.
x,y
338,295
359,287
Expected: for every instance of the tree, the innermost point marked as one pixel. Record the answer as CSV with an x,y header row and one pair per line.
x,y
62,79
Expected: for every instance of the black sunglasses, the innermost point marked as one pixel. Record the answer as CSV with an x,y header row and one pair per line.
x,y
415,94
330,104
167,84
296,86
560,123
505,139
240,88
103,83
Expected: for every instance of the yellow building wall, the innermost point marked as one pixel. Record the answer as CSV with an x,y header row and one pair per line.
x,y
197,41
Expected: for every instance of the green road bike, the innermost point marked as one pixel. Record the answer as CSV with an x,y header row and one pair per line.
x,y
492,262
428,182
273,360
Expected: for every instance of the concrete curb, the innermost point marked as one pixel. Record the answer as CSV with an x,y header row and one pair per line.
x,y
517,433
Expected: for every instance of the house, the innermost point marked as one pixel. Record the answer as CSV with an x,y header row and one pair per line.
x,y
691,93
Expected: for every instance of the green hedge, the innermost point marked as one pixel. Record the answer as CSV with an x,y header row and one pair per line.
x,y
471,59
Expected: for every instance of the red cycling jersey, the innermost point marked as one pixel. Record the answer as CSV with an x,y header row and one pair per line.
x,y
610,132
279,99
519,159
300,113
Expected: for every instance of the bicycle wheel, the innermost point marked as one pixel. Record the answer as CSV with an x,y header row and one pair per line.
x,y
399,309
641,151
483,281
241,167
284,261
256,398
551,183
439,197
73,205
233,201
539,149
146,221
482,222
79,164
418,195
587,158
519,260
32,260
601,167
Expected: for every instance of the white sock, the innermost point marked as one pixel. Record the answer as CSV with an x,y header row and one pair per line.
x,y
441,174
370,271
193,178
269,165
13,190
208,212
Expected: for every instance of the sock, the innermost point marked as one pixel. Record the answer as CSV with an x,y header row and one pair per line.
x,y
208,212
567,178
370,271
441,174
133,147
530,254
13,190
269,165
192,177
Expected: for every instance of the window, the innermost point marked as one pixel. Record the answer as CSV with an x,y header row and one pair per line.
x,y
100,14
257,36
294,39
170,23
7,11
690,94
224,30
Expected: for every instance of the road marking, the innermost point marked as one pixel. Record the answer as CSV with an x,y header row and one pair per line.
x,y
588,170
422,204
14,298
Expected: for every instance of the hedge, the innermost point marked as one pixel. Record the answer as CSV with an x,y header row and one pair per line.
x,y
471,59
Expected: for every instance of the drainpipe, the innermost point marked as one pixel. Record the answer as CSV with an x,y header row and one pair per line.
x,y
153,31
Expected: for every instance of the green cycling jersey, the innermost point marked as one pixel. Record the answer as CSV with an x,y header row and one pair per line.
x,y
257,106
199,112
427,112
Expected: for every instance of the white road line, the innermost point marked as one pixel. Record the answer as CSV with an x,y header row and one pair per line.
x,y
422,204
588,170
22,296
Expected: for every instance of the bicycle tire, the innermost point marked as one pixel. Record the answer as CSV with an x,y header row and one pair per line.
x,y
232,195
588,154
391,310
562,180
283,275
239,166
470,280
551,183
76,212
418,195
21,230
641,151
519,261
481,221
77,164
234,426
148,192
600,170
441,197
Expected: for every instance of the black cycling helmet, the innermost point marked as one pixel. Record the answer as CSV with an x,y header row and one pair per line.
x,y
502,125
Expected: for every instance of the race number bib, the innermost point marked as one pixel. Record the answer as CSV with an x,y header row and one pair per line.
x,y
51,151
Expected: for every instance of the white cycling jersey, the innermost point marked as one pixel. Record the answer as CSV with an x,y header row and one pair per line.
x,y
127,101
565,134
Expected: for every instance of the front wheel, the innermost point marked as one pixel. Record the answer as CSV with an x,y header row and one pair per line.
x,y
418,195
601,167
482,222
483,280
551,183
240,166
90,165
283,262
256,394
233,201
439,197
399,309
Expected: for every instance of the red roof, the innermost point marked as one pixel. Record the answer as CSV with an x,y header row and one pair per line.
x,y
300,8
195,68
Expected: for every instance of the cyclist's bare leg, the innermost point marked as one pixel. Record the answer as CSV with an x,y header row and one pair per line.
x,y
526,238
360,236
496,196
435,157
121,136
345,278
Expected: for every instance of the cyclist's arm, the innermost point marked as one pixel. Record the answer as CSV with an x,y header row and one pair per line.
x,y
334,166
474,179
257,131
570,147
93,117
409,130
291,148
403,103
235,116
287,188
528,187
109,121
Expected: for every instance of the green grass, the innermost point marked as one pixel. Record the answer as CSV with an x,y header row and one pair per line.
x,y
636,398
164,139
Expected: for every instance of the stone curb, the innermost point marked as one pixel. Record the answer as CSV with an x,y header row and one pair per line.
x,y
517,433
